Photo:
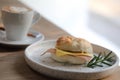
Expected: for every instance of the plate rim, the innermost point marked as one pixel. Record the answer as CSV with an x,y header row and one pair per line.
x,y
110,67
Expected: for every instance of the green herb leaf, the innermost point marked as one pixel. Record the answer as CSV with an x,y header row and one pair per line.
x,y
99,60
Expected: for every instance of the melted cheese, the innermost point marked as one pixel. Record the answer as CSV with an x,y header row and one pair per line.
x,y
63,53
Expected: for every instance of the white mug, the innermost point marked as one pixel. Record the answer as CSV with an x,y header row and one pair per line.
x,y
17,24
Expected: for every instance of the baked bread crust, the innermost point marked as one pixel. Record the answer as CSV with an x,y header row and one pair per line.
x,y
73,44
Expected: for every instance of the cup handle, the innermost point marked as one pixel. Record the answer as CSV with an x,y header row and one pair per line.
x,y
36,17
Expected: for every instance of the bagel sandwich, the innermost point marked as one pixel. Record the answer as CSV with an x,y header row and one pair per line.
x,y
72,50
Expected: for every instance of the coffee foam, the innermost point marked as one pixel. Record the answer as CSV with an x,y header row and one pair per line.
x,y
15,9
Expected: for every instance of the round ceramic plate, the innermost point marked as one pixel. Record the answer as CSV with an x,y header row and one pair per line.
x,y
32,37
46,65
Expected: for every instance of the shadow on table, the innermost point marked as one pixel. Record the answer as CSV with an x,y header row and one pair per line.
x,y
11,48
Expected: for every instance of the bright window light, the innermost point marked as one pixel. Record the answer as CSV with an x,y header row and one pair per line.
x,y
72,16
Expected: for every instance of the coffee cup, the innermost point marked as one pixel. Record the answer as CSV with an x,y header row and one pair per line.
x,y
17,22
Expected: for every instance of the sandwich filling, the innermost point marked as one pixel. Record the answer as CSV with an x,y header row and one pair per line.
x,y
59,53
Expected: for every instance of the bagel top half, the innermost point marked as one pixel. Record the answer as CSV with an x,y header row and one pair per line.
x,y
72,44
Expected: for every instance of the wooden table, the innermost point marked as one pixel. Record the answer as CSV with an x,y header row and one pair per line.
x,y
13,65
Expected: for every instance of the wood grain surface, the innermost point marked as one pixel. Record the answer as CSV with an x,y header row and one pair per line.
x,y
12,63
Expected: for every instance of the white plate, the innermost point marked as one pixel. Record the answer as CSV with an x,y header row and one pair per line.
x,y
44,64
36,36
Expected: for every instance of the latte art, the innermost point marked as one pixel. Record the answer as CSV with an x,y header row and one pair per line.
x,y
14,9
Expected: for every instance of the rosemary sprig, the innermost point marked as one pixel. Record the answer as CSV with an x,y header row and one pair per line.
x,y
99,60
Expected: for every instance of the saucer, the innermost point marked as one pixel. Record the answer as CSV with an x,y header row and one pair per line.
x,y
32,37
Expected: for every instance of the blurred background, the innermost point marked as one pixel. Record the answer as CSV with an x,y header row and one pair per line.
x,y
95,20
105,19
